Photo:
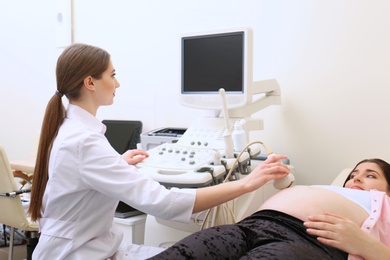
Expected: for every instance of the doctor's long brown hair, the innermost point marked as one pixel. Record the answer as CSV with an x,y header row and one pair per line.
x,y
76,62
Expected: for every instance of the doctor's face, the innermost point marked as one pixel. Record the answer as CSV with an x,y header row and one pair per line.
x,y
106,86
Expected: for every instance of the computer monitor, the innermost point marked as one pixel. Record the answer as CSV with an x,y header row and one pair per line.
x,y
124,135
214,60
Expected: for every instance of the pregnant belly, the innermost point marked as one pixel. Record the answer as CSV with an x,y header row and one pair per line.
x,y
303,201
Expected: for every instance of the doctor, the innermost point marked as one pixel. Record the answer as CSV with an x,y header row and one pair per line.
x,y
79,178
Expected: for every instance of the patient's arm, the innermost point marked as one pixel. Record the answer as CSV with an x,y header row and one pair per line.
x,y
344,234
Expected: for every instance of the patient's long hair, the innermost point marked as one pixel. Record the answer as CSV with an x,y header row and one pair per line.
x,y
76,62
385,167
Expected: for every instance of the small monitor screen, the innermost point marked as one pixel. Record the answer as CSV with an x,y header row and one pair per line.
x,y
211,62
122,134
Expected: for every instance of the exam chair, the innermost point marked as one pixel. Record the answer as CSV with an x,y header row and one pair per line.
x,y
341,177
12,210
27,165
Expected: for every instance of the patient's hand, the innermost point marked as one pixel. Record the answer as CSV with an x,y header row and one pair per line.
x,y
134,156
342,233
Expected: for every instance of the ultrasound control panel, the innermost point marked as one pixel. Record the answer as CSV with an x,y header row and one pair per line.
x,y
176,157
195,159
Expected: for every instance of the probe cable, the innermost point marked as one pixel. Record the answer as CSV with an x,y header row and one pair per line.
x,y
223,212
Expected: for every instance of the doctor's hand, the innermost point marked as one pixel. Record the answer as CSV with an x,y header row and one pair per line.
x,y
134,156
342,233
270,169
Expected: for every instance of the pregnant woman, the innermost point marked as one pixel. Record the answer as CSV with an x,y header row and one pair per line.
x,y
306,222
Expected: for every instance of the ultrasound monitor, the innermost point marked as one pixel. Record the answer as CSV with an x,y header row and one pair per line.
x,y
123,135
214,60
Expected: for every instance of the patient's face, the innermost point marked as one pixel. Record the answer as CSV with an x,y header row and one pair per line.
x,y
368,176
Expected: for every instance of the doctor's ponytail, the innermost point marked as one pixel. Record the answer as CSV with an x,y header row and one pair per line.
x,y
77,62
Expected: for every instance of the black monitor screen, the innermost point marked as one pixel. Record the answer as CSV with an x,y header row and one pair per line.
x,y
122,134
211,62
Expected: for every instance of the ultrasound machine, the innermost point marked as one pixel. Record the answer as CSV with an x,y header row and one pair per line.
x,y
216,74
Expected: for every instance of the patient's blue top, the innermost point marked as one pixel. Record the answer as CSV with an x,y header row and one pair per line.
x,y
361,197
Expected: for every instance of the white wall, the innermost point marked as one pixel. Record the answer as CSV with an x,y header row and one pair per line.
x,y
330,57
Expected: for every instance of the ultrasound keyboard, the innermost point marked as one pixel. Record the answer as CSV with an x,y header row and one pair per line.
x,y
176,157
196,160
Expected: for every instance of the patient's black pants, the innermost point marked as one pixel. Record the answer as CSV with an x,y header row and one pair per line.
x,y
266,234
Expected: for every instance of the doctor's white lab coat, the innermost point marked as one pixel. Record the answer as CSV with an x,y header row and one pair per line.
x,y
87,178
